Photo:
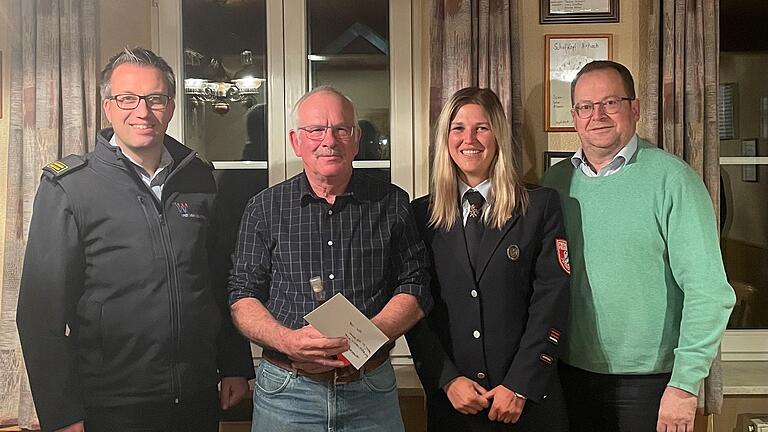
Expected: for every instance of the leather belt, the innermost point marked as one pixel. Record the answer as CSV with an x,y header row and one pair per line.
x,y
336,376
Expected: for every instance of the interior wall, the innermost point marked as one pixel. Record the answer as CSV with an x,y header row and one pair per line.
x,y
123,23
4,122
626,50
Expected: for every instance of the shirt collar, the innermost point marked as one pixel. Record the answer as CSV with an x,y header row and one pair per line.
x,y
355,189
622,157
484,188
165,159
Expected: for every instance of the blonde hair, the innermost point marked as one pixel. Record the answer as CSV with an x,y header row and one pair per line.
x,y
507,191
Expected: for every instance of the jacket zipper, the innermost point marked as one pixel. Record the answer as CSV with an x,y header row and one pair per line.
x,y
174,290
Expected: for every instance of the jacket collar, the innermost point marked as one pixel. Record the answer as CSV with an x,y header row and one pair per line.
x,y
114,156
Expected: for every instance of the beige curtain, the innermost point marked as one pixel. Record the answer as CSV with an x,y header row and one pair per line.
x,y
476,43
53,112
680,109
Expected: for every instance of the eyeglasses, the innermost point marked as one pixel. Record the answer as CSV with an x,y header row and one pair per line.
x,y
131,101
611,105
317,132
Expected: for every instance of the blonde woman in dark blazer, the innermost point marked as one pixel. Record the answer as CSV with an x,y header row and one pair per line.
x,y
487,353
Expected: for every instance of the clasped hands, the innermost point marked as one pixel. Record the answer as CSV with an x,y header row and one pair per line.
x,y
312,352
469,397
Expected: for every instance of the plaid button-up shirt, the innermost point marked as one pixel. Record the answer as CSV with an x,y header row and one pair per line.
x,y
365,246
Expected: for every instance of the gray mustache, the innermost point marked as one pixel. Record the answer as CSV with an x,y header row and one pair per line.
x,y
327,151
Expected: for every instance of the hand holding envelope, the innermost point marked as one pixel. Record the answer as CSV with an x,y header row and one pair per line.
x,y
338,317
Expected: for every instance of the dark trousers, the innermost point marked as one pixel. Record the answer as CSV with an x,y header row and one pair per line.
x,y
611,403
197,416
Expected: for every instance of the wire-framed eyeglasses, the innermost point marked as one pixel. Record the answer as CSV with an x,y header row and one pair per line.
x,y
129,101
318,132
611,105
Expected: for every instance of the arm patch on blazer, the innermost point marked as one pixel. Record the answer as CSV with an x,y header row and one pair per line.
x,y
562,255
553,336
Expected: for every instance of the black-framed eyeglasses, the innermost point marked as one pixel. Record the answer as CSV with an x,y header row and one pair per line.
x,y
611,105
317,132
129,101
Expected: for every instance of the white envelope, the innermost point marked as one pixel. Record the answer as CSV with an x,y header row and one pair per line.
x,y
338,317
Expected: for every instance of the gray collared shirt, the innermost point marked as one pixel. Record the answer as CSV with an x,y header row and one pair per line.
x,y
579,161
156,181
485,190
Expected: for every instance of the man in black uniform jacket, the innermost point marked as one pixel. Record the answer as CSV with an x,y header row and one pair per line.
x,y
121,326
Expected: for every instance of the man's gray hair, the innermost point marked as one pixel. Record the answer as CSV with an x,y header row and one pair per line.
x,y
138,56
322,89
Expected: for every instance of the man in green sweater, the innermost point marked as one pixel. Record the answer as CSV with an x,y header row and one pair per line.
x,y
649,295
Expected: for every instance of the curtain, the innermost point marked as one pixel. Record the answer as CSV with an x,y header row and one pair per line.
x,y
476,43
53,112
680,109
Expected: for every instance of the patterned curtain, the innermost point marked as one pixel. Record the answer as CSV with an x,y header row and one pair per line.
x,y
53,112
680,109
476,43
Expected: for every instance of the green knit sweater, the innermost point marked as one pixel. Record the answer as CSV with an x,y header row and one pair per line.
x,y
648,289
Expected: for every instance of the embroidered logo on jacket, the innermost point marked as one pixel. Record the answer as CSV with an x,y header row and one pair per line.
x,y
183,208
562,254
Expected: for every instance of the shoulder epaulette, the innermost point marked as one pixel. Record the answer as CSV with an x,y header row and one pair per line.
x,y
64,165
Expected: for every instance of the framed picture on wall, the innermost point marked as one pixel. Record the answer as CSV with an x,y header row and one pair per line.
x,y
578,11
566,54
553,157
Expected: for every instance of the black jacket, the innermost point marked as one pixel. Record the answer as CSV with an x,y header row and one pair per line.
x,y
502,325
129,277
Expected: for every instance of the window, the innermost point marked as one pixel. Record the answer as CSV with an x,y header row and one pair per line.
x,y
373,53
744,207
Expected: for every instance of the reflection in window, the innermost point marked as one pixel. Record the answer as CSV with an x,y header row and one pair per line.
x,y
349,50
744,188
225,93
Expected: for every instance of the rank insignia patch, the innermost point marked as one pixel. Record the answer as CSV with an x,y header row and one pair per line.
x,y
57,166
554,336
546,358
562,254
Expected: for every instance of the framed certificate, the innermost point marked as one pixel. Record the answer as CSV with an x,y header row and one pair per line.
x,y
565,56
578,11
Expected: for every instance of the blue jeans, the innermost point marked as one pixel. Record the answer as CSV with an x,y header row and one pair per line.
x,y
284,401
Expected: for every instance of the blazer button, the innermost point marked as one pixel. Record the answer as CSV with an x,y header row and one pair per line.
x,y
480,375
473,293
476,334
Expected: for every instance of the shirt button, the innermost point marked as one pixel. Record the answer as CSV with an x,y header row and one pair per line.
x,y
330,212
330,242
476,334
331,276
473,293
480,375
